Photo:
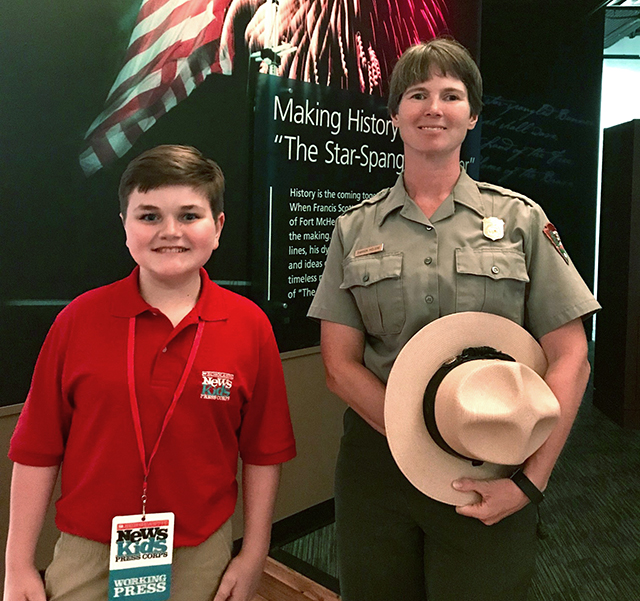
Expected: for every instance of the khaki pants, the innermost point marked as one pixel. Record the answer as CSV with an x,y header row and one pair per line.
x,y
79,570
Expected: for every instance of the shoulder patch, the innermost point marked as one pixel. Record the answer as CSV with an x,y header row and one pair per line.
x,y
369,201
505,192
552,234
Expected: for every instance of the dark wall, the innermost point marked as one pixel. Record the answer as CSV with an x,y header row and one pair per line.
x,y
542,69
616,376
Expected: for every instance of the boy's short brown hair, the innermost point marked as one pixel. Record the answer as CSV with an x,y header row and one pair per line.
x,y
441,55
173,165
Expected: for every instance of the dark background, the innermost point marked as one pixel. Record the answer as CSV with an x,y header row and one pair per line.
x,y
537,53
60,234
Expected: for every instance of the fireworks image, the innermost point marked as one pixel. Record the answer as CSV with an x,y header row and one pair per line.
x,y
352,44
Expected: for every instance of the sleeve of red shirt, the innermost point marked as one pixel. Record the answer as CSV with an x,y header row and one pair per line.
x,y
40,435
266,434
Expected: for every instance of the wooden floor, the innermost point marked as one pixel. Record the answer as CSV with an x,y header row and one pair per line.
x,y
280,583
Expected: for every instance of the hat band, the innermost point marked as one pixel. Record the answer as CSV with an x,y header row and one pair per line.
x,y
429,399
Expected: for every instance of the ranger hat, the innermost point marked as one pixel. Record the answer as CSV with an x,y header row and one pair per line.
x,y
466,399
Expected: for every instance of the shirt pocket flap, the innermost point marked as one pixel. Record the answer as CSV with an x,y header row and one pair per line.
x,y
492,263
370,270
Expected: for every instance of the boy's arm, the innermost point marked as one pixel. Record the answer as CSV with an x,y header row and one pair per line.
x,y
259,488
31,489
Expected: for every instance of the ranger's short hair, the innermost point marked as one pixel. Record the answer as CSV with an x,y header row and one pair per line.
x,y
440,55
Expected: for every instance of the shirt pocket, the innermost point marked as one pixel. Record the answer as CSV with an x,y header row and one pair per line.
x,y
376,284
492,281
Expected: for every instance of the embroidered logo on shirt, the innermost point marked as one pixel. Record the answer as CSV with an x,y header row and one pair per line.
x,y
216,385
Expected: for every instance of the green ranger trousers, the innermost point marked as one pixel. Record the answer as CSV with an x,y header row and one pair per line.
x,y
397,544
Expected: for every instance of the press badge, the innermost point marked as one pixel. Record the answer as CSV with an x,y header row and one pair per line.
x,y
140,556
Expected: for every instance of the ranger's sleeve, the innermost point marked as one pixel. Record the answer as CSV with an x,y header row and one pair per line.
x,y
333,302
557,294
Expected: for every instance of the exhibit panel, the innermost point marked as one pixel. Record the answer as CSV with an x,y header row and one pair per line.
x,y
192,72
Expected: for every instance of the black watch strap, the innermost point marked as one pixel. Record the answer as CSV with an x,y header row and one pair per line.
x,y
527,487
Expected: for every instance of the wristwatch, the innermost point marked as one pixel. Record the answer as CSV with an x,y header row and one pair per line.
x,y
527,487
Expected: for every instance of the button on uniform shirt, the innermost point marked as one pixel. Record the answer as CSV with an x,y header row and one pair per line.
x,y
429,268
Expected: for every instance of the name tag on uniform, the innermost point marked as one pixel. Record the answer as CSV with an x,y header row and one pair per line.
x,y
140,557
370,250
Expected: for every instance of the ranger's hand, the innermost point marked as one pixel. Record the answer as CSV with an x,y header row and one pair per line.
x,y
500,499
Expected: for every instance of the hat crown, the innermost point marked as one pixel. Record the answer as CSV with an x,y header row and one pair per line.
x,y
495,411
422,459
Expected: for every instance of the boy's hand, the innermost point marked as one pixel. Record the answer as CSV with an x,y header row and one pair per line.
x,y
24,585
241,578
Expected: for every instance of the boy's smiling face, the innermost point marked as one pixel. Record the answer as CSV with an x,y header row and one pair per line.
x,y
171,232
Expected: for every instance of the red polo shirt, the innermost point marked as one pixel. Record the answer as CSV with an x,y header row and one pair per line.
x,y
78,412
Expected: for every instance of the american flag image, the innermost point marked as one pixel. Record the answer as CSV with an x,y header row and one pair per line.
x,y
176,44
173,47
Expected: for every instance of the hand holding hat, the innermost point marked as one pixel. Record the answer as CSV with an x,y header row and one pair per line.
x,y
466,399
498,499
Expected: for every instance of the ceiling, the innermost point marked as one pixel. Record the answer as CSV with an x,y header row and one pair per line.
x,y
622,19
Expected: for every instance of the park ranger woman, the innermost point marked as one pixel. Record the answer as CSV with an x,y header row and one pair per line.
x,y
434,244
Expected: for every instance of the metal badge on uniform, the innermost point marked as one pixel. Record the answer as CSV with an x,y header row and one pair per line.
x,y
140,556
370,250
551,232
493,228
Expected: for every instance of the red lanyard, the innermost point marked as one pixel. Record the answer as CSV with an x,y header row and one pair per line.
x,y
133,399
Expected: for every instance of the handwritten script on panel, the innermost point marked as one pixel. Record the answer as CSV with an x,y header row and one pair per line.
x,y
525,145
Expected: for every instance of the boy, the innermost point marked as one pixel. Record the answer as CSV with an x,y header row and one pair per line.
x,y
146,391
